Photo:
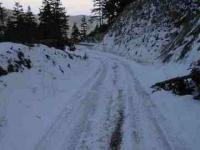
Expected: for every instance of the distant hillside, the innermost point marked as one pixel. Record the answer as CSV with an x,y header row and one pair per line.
x,y
77,20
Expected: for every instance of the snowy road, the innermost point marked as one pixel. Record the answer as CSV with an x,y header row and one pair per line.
x,y
111,110
103,103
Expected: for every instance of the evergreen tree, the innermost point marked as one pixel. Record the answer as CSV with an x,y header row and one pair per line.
x,y
19,22
75,35
53,23
98,10
30,26
83,28
1,14
109,9
9,31
53,20
46,20
60,20
16,25
2,22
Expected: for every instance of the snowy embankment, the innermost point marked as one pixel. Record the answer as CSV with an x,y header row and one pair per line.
x,y
30,100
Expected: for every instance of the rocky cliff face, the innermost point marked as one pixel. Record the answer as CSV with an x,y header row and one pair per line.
x,y
156,30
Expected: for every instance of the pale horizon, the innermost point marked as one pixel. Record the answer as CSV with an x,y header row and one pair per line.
x,y
73,7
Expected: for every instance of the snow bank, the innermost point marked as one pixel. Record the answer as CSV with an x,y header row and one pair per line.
x,y
32,98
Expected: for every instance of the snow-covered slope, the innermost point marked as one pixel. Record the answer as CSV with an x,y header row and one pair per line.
x,y
31,97
152,30
185,48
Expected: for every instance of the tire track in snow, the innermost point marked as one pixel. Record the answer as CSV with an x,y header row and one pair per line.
x,y
147,132
116,139
85,110
156,118
106,115
140,109
117,134
60,128
132,133
101,118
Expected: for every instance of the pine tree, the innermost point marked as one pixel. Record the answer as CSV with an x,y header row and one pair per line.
x,y
2,22
83,28
46,20
19,22
75,35
60,22
10,30
98,10
53,23
16,25
1,14
110,10
30,26
21,27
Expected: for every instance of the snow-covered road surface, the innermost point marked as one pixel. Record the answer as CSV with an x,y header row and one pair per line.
x,y
108,109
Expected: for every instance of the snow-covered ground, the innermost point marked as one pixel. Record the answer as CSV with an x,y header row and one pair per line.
x,y
104,102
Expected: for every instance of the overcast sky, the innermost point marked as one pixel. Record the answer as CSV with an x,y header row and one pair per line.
x,y
74,7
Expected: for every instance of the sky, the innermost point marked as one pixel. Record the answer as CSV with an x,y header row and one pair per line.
x,y
74,7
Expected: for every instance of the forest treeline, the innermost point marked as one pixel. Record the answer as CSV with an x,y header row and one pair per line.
x,y
24,27
51,25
